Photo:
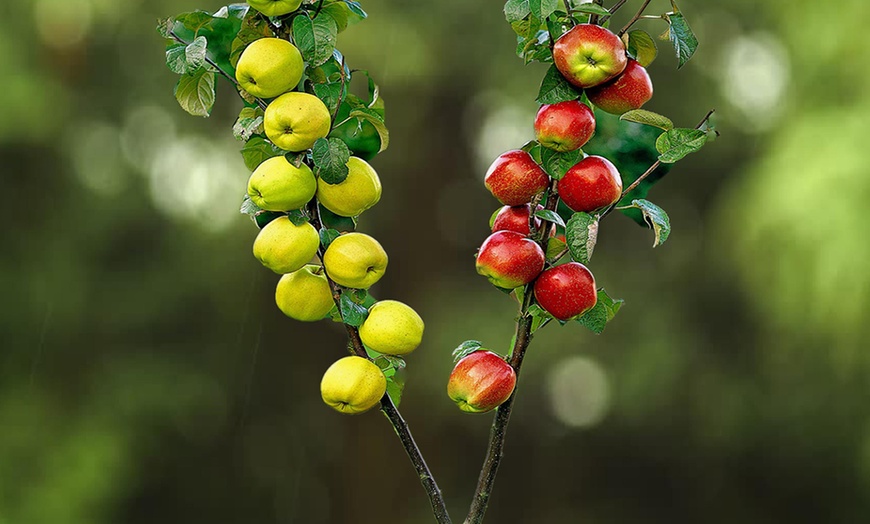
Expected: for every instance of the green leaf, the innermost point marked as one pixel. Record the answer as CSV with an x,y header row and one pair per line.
x,y
677,143
543,8
642,116
555,247
556,164
535,48
656,218
555,89
550,216
533,148
357,11
195,92
395,387
605,309
581,234
249,123
591,9
220,30
352,313
681,35
194,53
540,317
327,236
176,58
249,207
315,38
254,27
642,47
330,157
527,27
558,24
374,117
333,221
466,348
257,150
516,10
329,94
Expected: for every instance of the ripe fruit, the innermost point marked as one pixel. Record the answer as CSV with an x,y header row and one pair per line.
x,y
353,385
358,192
278,185
355,260
565,126
514,178
630,90
275,7
294,121
514,218
285,247
481,382
510,260
591,184
392,328
269,67
589,55
566,291
304,294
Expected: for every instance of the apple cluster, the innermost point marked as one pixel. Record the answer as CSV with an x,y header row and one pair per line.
x,y
317,269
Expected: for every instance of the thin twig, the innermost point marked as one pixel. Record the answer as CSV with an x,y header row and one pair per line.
x,y
593,19
635,18
340,94
612,10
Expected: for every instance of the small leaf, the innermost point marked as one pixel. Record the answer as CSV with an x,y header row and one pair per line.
x,y
555,89
556,164
555,247
550,216
257,150
330,157
535,48
642,116
516,10
249,123
393,362
681,35
540,317
641,47
581,234
194,53
176,59
656,218
315,38
327,236
677,143
297,217
195,92
591,9
249,207
374,117
541,9
329,94
395,387
352,313
357,11
466,348
605,309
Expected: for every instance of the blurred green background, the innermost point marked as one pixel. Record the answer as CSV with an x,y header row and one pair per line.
x,y
146,375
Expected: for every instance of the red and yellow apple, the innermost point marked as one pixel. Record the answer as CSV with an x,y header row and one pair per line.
x,y
630,90
514,178
566,291
564,126
514,218
592,183
589,55
481,382
509,259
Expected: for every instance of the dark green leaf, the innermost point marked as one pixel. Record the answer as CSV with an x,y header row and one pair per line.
x,y
533,148
681,35
656,219
591,9
329,94
605,309
556,164
330,157
543,8
333,221
220,31
515,10
535,48
642,116
641,47
581,234
466,348
374,117
315,38
550,216
298,217
258,149
677,143
555,89
327,236
297,159
558,24
195,92
263,218
249,123
352,313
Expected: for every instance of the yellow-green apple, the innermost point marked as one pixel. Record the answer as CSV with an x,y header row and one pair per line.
x,y
284,247
590,184
275,7
294,121
509,259
392,328
481,382
566,291
589,55
355,260
630,90
278,185
564,126
304,294
353,385
514,218
269,67
514,178
359,191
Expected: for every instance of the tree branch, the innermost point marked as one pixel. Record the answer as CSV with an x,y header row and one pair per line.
x,y
634,19
612,10
593,19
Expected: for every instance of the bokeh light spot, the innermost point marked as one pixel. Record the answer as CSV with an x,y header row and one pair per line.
x,y
579,392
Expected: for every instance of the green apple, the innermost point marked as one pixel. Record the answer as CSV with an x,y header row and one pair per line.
x,y
294,121
304,294
284,247
358,192
355,260
278,185
269,67
275,7
392,328
353,385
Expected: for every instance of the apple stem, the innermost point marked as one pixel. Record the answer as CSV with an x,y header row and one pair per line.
x,y
635,18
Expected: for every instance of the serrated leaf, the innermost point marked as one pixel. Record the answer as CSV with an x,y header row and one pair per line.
x,y
581,234
555,247
352,313
591,9
315,38
642,116
257,150
330,157
675,144
556,164
543,8
249,207
656,218
329,94
466,348
327,236
220,30
195,92
682,37
249,123
605,309
297,217
550,216
641,47
515,10
374,117
535,48
194,53
555,89
164,27
176,59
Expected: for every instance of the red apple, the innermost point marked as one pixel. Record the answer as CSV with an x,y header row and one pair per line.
x,y
630,90
514,178
481,382
565,126
566,291
514,218
589,55
590,184
510,260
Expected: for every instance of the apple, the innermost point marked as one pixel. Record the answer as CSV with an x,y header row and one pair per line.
x,y
353,385
566,291
481,382
630,90
564,126
294,121
278,185
509,259
269,67
304,294
590,184
589,55
392,328
359,191
275,7
284,247
355,260
514,178
514,218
